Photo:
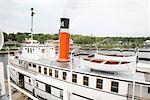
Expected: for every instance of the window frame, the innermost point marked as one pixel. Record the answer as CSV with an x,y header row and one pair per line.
x,y
86,80
56,73
114,87
74,78
42,50
148,90
29,64
64,75
50,70
45,70
34,65
39,69
99,85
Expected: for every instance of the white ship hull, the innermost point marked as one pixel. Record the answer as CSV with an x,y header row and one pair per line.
x,y
75,91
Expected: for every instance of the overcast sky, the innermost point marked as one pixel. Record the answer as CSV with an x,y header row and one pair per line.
x,y
97,17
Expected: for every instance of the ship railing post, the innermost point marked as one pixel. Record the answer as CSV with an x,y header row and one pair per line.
x,y
96,48
71,58
71,62
8,76
9,86
135,64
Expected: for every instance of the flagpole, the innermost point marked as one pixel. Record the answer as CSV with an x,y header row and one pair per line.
x,y
32,13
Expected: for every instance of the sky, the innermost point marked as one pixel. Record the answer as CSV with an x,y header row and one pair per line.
x,y
126,18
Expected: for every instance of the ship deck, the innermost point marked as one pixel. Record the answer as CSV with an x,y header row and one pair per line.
x,y
76,67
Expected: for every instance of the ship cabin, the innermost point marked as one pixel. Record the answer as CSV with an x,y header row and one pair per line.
x,y
38,51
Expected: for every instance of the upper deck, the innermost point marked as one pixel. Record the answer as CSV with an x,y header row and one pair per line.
x,y
75,66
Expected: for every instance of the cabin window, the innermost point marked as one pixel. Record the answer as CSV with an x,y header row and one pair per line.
x,y
148,89
85,80
99,83
29,80
29,64
39,69
43,50
114,86
37,84
74,78
48,88
34,65
20,62
64,75
50,72
45,70
56,73
30,50
61,94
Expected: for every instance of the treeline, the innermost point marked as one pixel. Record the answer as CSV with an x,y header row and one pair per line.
x,y
20,37
101,42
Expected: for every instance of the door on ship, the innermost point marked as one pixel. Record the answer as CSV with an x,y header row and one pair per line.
x,y
21,80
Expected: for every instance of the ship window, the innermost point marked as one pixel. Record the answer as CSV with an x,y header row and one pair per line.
x,y
148,89
50,72
48,88
39,69
29,80
37,84
45,70
34,65
85,80
74,78
61,94
56,73
20,62
43,50
64,75
114,86
29,64
30,50
99,83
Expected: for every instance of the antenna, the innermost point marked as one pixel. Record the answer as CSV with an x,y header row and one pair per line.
x,y
32,13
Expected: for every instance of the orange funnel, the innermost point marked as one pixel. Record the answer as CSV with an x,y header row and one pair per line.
x,y
64,39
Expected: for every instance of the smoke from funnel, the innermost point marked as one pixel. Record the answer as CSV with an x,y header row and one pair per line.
x,y
70,7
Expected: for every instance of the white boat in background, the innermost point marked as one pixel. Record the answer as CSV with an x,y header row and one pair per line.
x,y
127,58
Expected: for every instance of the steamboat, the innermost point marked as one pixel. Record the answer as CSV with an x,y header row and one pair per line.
x,y
42,74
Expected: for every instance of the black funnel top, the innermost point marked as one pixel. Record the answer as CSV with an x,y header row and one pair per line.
x,y
64,23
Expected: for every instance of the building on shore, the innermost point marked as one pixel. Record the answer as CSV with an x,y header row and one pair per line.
x,y
147,44
11,43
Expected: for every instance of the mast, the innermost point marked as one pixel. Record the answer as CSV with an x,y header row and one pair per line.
x,y
32,13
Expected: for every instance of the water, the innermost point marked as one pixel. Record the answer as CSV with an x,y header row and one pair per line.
x,y
4,59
